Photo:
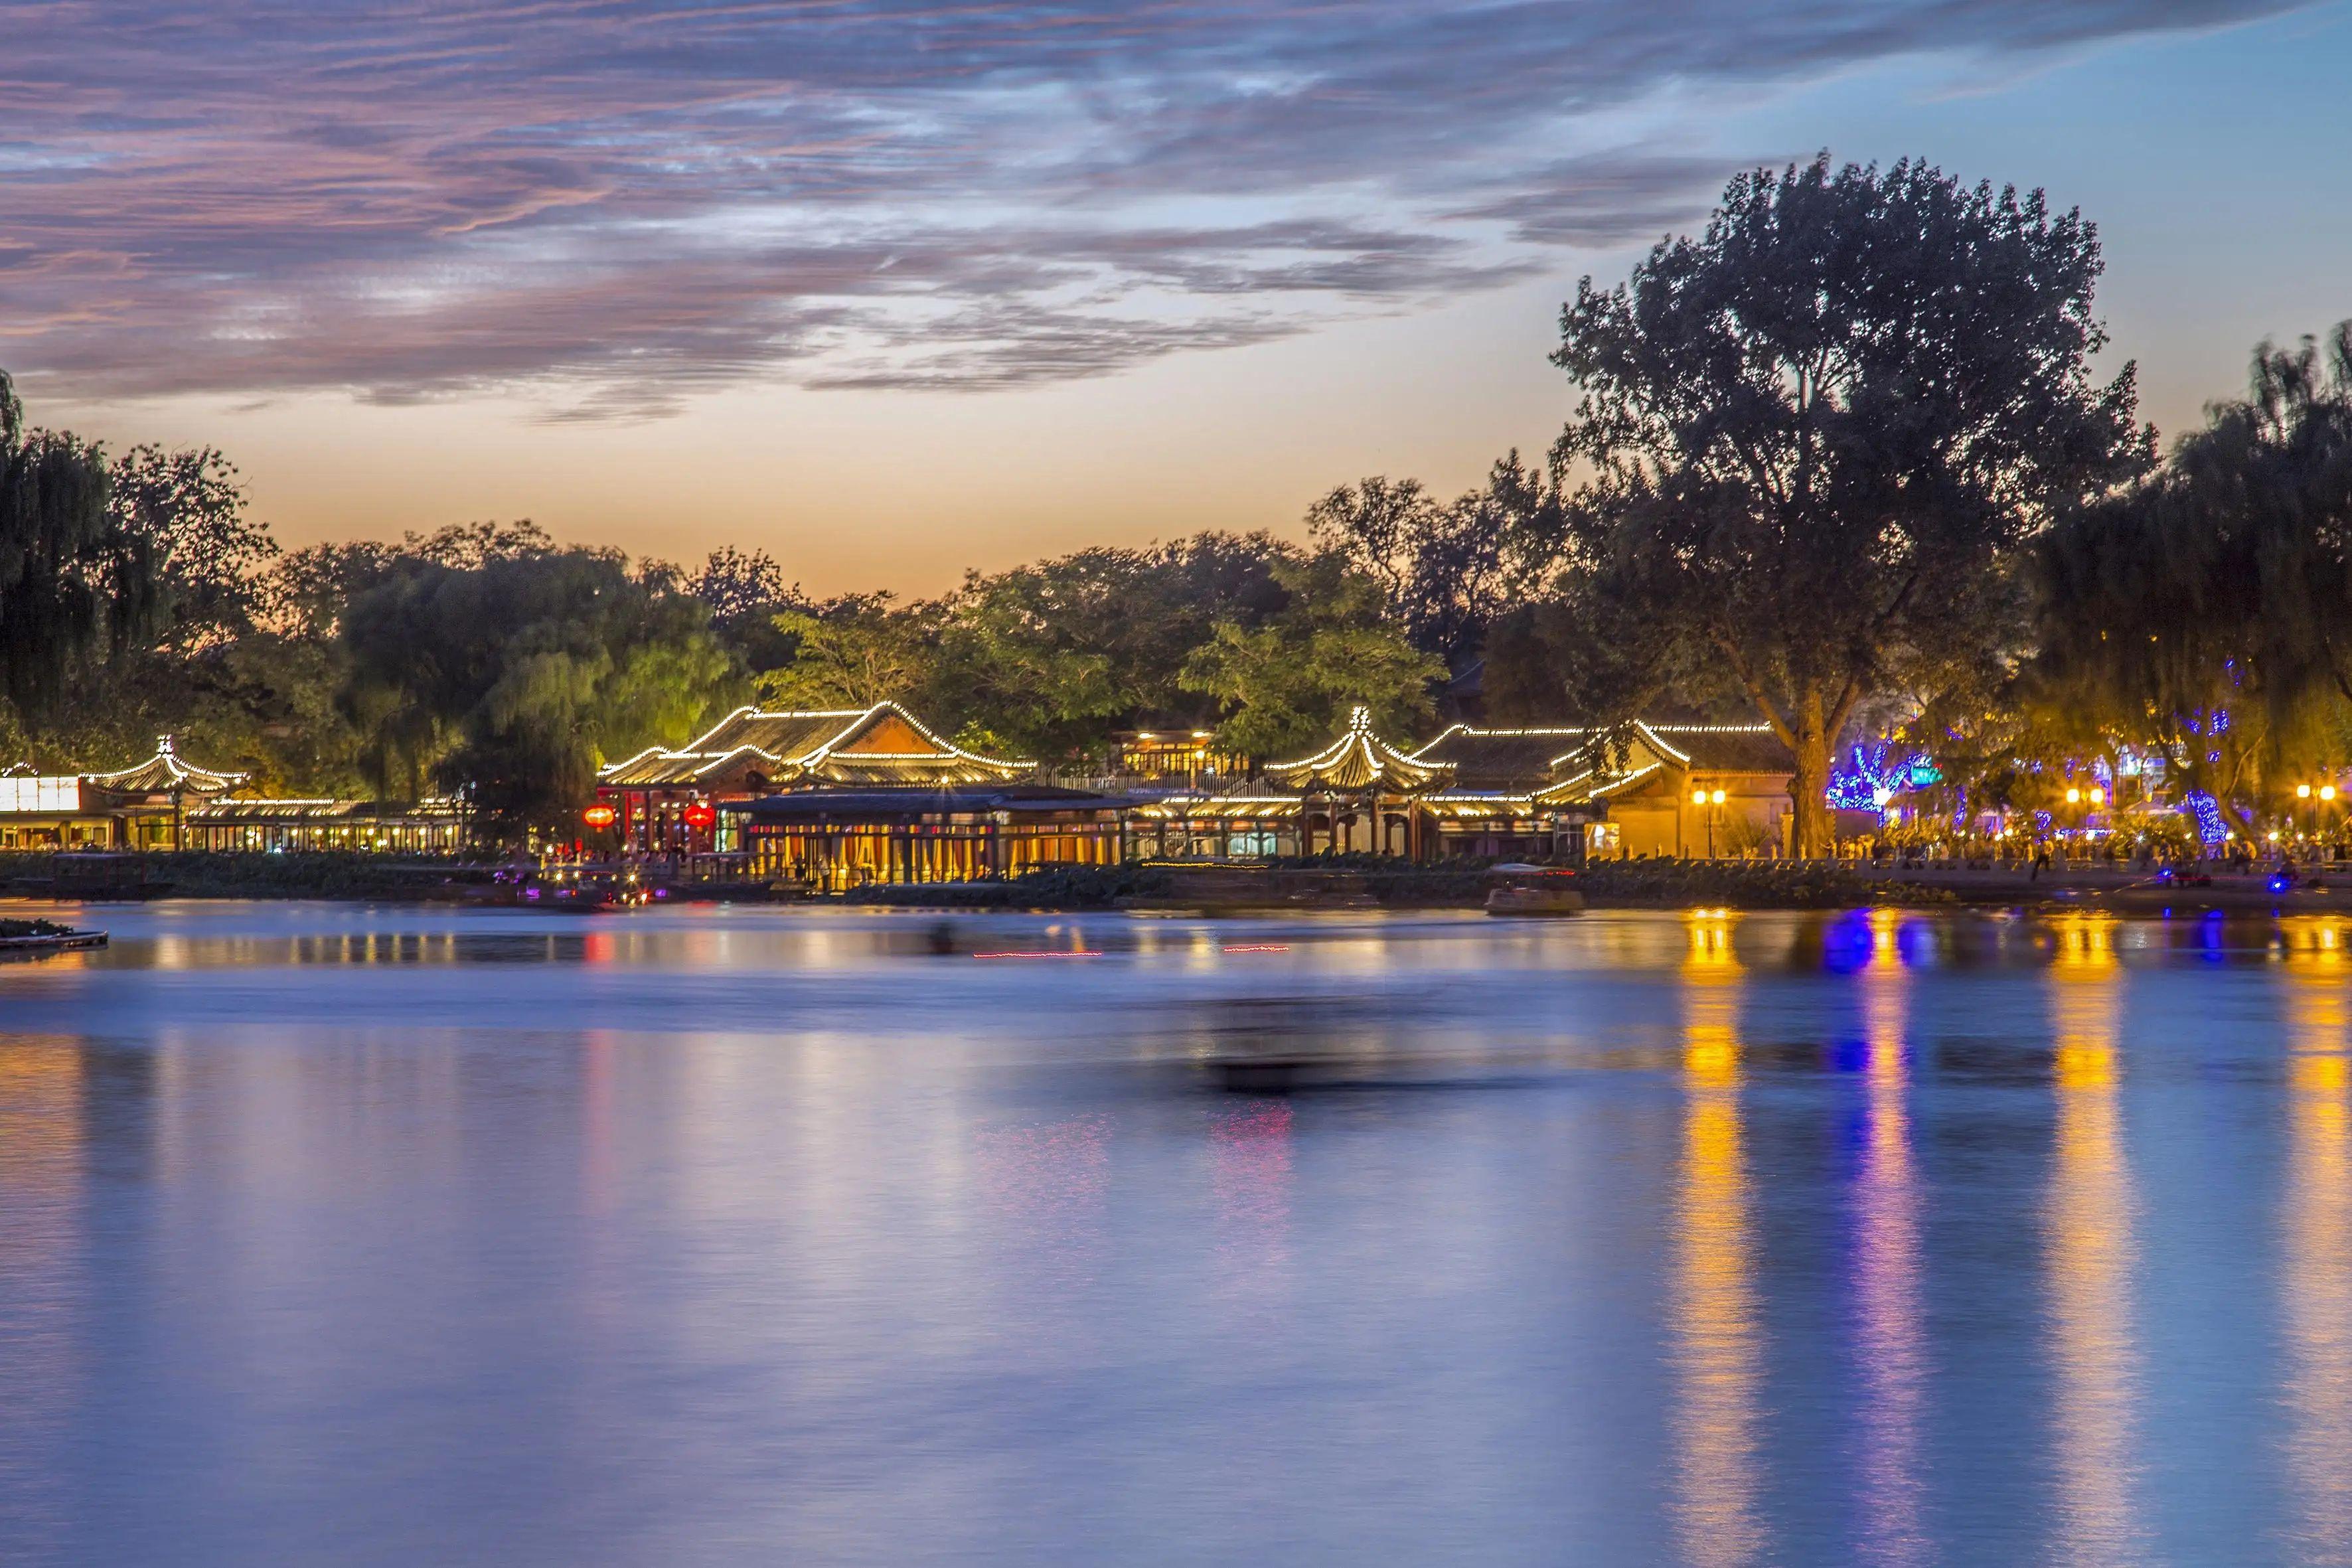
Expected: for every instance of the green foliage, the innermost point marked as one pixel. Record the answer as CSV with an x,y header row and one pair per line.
x,y
852,652
2208,614
514,677
1290,682
75,583
1047,658
1449,569
190,510
744,594
1818,439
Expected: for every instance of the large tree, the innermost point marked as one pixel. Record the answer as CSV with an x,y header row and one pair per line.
x,y
190,508
854,651
1813,440
1045,661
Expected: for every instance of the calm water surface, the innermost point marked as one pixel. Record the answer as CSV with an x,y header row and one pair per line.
x,y
350,1235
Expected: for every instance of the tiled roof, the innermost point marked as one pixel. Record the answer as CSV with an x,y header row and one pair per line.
x,y
1609,763
1727,748
1357,760
1507,760
883,744
165,774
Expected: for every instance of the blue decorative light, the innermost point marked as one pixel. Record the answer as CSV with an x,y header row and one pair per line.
x,y
1875,766
2210,828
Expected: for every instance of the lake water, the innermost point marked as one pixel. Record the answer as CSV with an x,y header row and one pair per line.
x,y
741,1235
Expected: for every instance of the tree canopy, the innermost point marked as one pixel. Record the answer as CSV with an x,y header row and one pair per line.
x,y
1287,684
514,677
74,579
1447,569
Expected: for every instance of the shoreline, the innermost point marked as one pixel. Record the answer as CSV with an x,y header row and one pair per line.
x,y
1227,889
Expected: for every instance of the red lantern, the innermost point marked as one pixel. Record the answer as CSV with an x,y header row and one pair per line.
x,y
701,815
599,815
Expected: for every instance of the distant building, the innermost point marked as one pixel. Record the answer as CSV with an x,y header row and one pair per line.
x,y
169,803
1192,756
139,808
1546,792
426,827
1683,790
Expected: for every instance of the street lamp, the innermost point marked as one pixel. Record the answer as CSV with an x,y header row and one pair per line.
x,y
1703,799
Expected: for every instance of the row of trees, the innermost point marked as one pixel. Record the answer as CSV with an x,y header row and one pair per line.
x,y
1840,461
138,596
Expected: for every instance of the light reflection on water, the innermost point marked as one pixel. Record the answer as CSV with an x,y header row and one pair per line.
x,y
2089,1245
1891,1335
1713,1329
340,1235
2317,1283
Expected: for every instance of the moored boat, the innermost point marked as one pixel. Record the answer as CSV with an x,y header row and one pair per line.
x,y
1524,890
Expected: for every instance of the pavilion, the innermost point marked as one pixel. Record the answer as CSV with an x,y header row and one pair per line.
x,y
834,839
672,802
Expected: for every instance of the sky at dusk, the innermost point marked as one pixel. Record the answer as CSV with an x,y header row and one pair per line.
x,y
893,288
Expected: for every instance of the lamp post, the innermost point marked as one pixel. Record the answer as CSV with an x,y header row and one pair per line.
x,y
1709,803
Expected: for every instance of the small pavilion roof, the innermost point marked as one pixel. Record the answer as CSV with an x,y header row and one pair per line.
x,y
1359,760
166,772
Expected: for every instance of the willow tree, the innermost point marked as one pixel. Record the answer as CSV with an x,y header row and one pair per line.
x,y
73,580
2208,613
1814,441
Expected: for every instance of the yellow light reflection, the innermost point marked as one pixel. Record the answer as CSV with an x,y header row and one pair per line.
x,y
2318,1244
2089,1239
1892,1341
1716,1353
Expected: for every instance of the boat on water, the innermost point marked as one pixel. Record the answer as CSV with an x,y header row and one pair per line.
x,y
38,939
1518,888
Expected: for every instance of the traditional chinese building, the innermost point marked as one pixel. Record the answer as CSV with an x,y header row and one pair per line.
x,y
232,824
1682,790
670,802
169,803
1361,794
1489,807
140,807
1544,791
833,840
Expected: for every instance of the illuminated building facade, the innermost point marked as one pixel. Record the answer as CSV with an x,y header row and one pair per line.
x,y
673,801
832,840
141,808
